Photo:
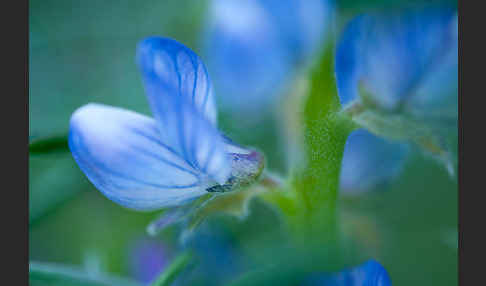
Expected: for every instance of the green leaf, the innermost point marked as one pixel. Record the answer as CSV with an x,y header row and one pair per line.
x,y
170,274
58,274
52,144
54,178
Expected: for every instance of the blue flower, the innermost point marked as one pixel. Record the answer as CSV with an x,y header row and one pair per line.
x,y
401,69
144,163
405,61
370,161
254,46
370,273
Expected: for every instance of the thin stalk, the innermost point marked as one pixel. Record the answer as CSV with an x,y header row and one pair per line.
x,y
51,272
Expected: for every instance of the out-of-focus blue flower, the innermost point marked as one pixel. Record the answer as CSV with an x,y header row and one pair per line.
x,y
147,164
405,60
407,64
254,46
369,161
370,273
148,258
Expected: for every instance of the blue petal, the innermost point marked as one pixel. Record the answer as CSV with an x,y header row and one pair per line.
x,y
370,273
122,154
439,88
369,161
181,98
347,61
173,74
255,46
247,61
302,24
392,53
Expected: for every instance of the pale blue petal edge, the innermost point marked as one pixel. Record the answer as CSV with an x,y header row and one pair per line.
x,y
180,95
121,153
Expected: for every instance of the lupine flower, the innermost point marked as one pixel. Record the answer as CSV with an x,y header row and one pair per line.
x,y
148,163
254,46
370,273
407,64
405,61
369,161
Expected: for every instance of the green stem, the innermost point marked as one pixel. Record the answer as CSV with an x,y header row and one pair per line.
x,y
325,133
170,274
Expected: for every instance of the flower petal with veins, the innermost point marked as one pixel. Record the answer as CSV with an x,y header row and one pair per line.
x,y
122,155
147,164
180,95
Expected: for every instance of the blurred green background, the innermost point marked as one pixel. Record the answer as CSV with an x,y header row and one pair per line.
x,y
84,51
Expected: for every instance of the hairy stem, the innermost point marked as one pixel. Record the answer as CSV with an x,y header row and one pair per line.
x,y
325,133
